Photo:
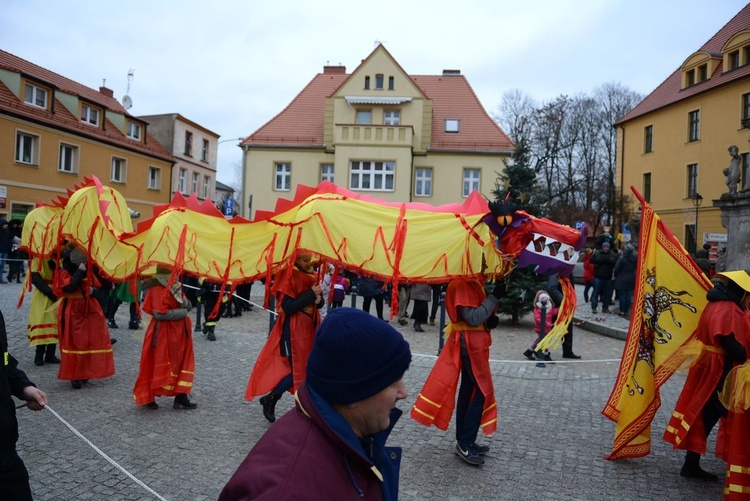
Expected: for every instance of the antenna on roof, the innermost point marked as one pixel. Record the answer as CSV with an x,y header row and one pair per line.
x,y
104,82
127,102
379,42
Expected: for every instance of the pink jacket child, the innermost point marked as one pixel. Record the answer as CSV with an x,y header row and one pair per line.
x,y
340,286
551,314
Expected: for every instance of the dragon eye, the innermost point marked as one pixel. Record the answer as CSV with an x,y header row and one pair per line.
x,y
504,219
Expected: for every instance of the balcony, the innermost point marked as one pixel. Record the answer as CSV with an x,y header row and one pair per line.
x,y
373,135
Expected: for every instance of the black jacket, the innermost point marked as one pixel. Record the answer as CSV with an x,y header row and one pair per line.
x,y
12,382
604,264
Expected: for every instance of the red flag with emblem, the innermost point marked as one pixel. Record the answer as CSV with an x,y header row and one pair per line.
x,y
669,295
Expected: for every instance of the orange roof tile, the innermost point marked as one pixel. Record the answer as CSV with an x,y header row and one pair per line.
x,y
669,91
62,118
453,97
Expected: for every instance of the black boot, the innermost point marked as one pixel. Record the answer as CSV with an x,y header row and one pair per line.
x,y
529,354
418,326
49,355
692,468
210,334
181,401
133,325
269,406
39,357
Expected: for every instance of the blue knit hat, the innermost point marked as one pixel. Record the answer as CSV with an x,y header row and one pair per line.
x,y
354,356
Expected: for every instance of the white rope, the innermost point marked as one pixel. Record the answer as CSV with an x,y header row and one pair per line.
x,y
496,361
260,306
109,459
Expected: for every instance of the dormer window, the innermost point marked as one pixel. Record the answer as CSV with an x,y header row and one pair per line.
x,y
379,81
734,60
134,131
736,51
452,125
699,67
35,95
89,115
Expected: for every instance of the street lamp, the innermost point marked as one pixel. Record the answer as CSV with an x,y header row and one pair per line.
x,y
697,201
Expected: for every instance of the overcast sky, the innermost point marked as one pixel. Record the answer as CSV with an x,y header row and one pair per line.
x,y
232,65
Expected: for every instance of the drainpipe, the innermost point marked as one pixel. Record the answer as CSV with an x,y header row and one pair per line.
x,y
244,186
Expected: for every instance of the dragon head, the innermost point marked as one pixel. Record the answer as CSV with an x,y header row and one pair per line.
x,y
551,247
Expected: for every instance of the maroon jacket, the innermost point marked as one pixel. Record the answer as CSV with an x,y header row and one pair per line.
x,y
311,452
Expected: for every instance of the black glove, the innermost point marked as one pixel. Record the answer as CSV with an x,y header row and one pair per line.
x,y
51,297
492,322
501,288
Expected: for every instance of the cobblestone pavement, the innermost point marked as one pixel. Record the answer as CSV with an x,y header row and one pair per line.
x,y
550,442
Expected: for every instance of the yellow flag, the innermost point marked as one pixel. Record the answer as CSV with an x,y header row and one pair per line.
x,y
669,296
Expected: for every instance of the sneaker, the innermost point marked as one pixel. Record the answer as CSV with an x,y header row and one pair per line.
x,y
111,324
481,449
593,311
469,455
529,354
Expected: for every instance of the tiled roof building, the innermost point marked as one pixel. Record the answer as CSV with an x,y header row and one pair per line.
x,y
380,131
673,146
54,131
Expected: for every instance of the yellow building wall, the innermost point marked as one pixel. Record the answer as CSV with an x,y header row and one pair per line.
x,y
447,170
720,115
31,184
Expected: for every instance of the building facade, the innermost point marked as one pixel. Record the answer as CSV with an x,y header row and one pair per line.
x,y
55,131
674,145
378,131
194,149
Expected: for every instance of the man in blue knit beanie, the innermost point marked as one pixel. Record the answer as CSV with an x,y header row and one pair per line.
x,y
331,445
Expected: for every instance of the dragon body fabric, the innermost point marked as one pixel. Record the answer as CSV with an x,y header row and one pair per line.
x,y
392,242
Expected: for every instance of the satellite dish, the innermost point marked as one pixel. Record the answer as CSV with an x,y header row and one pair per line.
x,y
127,103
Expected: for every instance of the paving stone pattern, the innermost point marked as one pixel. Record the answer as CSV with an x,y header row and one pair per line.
x,y
550,442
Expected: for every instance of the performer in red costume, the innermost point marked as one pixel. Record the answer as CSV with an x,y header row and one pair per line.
x,y
282,362
167,359
85,346
723,332
466,353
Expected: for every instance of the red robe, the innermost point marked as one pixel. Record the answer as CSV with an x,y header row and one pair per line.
x,y
271,366
436,401
685,429
85,347
167,359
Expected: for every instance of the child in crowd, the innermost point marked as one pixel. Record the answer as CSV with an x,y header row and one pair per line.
x,y
542,299
340,288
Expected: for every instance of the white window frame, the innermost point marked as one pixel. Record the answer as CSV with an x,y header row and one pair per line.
x,y
327,172
68,158
392,117
196,182
32,140
372,175
452,125
363,115
206,187
283,176
35,95
423,182
118,171
154,178
134,131
90,115
472,181
182,181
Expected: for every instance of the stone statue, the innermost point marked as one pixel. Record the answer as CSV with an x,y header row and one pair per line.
x,y
733,171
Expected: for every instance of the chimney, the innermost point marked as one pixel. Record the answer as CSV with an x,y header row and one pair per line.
x,y
451,73
334,70
107,92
